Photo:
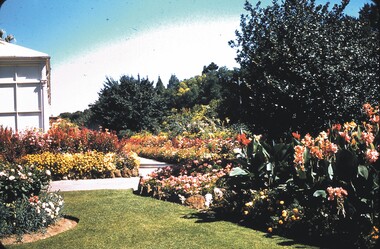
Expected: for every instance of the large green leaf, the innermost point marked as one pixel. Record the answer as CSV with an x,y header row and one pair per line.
x,y
363,171
319,193
238,172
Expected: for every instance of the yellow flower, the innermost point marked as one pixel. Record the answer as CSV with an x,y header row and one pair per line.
x,y
249,204
284,213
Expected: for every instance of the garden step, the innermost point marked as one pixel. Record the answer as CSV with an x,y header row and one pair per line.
x,y
147,163
147,166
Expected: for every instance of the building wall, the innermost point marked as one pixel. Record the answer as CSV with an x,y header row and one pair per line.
x,y
23,94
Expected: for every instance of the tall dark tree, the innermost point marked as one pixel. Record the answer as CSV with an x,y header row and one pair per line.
x,y
173,82
210,68
128,104
305,65
160,88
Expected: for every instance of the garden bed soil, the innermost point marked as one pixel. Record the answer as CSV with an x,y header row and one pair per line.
x,y
61,226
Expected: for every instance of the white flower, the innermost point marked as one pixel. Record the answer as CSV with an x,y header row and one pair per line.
x,y
182,198
12,178
2,173
208,198
237,151
218,193
48,172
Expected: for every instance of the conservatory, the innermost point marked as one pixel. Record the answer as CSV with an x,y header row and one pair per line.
x,y
24,88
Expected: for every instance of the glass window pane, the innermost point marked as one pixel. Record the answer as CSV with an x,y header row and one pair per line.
x,y
29,98
7,98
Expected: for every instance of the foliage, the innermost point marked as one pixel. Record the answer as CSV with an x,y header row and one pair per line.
x,y
79,118
200,121
330,181
8,38
306,65
128,104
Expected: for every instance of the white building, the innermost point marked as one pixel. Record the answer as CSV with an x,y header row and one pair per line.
x,y
24,88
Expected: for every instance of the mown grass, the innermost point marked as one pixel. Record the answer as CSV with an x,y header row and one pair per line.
x,y
120,219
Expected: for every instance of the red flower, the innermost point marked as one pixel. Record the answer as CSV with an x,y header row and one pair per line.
x,y
242,139
296,135
337,127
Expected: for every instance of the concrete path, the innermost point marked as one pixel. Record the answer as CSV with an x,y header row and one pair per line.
x,y
146,167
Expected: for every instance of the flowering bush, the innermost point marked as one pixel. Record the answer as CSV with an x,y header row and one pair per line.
x,y
90,164
26,215
25,206
180,182
19,181
62,137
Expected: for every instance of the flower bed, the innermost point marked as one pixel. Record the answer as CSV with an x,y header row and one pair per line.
x,y
69,152
181,182
179,150
91,164
322,189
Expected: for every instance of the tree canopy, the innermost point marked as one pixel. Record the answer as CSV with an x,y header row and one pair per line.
x,y
128,104
306,64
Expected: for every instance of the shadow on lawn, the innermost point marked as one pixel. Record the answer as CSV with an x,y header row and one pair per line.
x,y
210,216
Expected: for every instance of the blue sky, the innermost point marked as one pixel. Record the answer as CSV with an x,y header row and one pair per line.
x,y
89,40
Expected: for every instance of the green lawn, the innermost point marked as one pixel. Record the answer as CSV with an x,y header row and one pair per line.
x,y
120,219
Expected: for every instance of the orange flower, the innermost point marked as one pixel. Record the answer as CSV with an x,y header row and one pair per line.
x,y
242,139
375,119
298,155
296,135
307,140
316,152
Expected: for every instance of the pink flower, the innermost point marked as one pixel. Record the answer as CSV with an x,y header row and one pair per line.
x,y
345,136
372,155
367,137
336,192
